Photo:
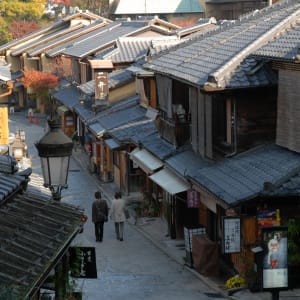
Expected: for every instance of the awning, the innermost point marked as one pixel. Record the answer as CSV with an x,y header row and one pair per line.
x,y
145,160
170,182
112,144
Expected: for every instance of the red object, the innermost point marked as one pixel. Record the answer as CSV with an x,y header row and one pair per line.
x,y
274,263
36,120
30,118
84,218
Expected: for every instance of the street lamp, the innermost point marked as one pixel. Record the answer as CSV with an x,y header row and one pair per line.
x,y
18,148
55,149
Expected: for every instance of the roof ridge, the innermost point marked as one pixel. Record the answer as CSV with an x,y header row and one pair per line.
x,y
216,79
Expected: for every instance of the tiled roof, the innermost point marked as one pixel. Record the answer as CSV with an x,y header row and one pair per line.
x,y
284,47
126,7
158,146
186,162
112,119
115,79
84,111
210,60
85,36
97,40
9,184
134,131
61,38
68,96
243,177
34,234
252,72
57,26
45,41
114,116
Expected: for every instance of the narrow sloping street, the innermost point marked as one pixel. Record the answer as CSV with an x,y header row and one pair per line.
x,y
132,269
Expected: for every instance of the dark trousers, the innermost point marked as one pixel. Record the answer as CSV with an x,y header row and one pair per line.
x,y
99,231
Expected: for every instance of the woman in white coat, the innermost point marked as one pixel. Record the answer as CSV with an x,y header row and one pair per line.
x,y
117,214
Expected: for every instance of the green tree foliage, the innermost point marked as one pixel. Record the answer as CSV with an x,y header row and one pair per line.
x,y
5,35
20,10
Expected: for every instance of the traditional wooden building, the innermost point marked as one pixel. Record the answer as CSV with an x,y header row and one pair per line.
x,y
234,105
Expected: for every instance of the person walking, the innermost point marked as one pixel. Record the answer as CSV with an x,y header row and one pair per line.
x,y
117,214
99,215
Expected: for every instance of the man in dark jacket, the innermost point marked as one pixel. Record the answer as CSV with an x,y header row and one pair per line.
x,y
99,215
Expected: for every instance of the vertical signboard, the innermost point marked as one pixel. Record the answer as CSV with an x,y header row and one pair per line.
x,y
83,262
3,125
275,268
101,85
231,234
193,199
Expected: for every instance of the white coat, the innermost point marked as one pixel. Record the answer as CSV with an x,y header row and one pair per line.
x,y
117,208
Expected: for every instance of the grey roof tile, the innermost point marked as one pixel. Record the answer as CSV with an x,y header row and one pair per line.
x,y
114,119
227,47
134,131
84,111
242,177
97,40
284,47
186,162
37,229
158,146
68,96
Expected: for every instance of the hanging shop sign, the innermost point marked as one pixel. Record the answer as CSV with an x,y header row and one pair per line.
x,y
83,262
231,235
275,267
193,199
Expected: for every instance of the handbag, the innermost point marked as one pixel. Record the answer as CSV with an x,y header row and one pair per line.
x,y
127,215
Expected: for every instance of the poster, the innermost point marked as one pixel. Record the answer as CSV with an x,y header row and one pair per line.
x,y
275,267
231,234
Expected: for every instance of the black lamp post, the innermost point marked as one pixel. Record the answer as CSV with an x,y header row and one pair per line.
x,y
55,149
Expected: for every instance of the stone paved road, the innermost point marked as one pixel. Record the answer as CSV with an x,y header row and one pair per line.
x,y
132,269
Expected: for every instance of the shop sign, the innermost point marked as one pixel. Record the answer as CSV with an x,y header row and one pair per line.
x,y
265,218
101,85
231,235
193,199
83,262
275,267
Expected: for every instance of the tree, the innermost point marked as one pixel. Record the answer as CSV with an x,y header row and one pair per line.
x,y
20,28
19,10
40,83
5,35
